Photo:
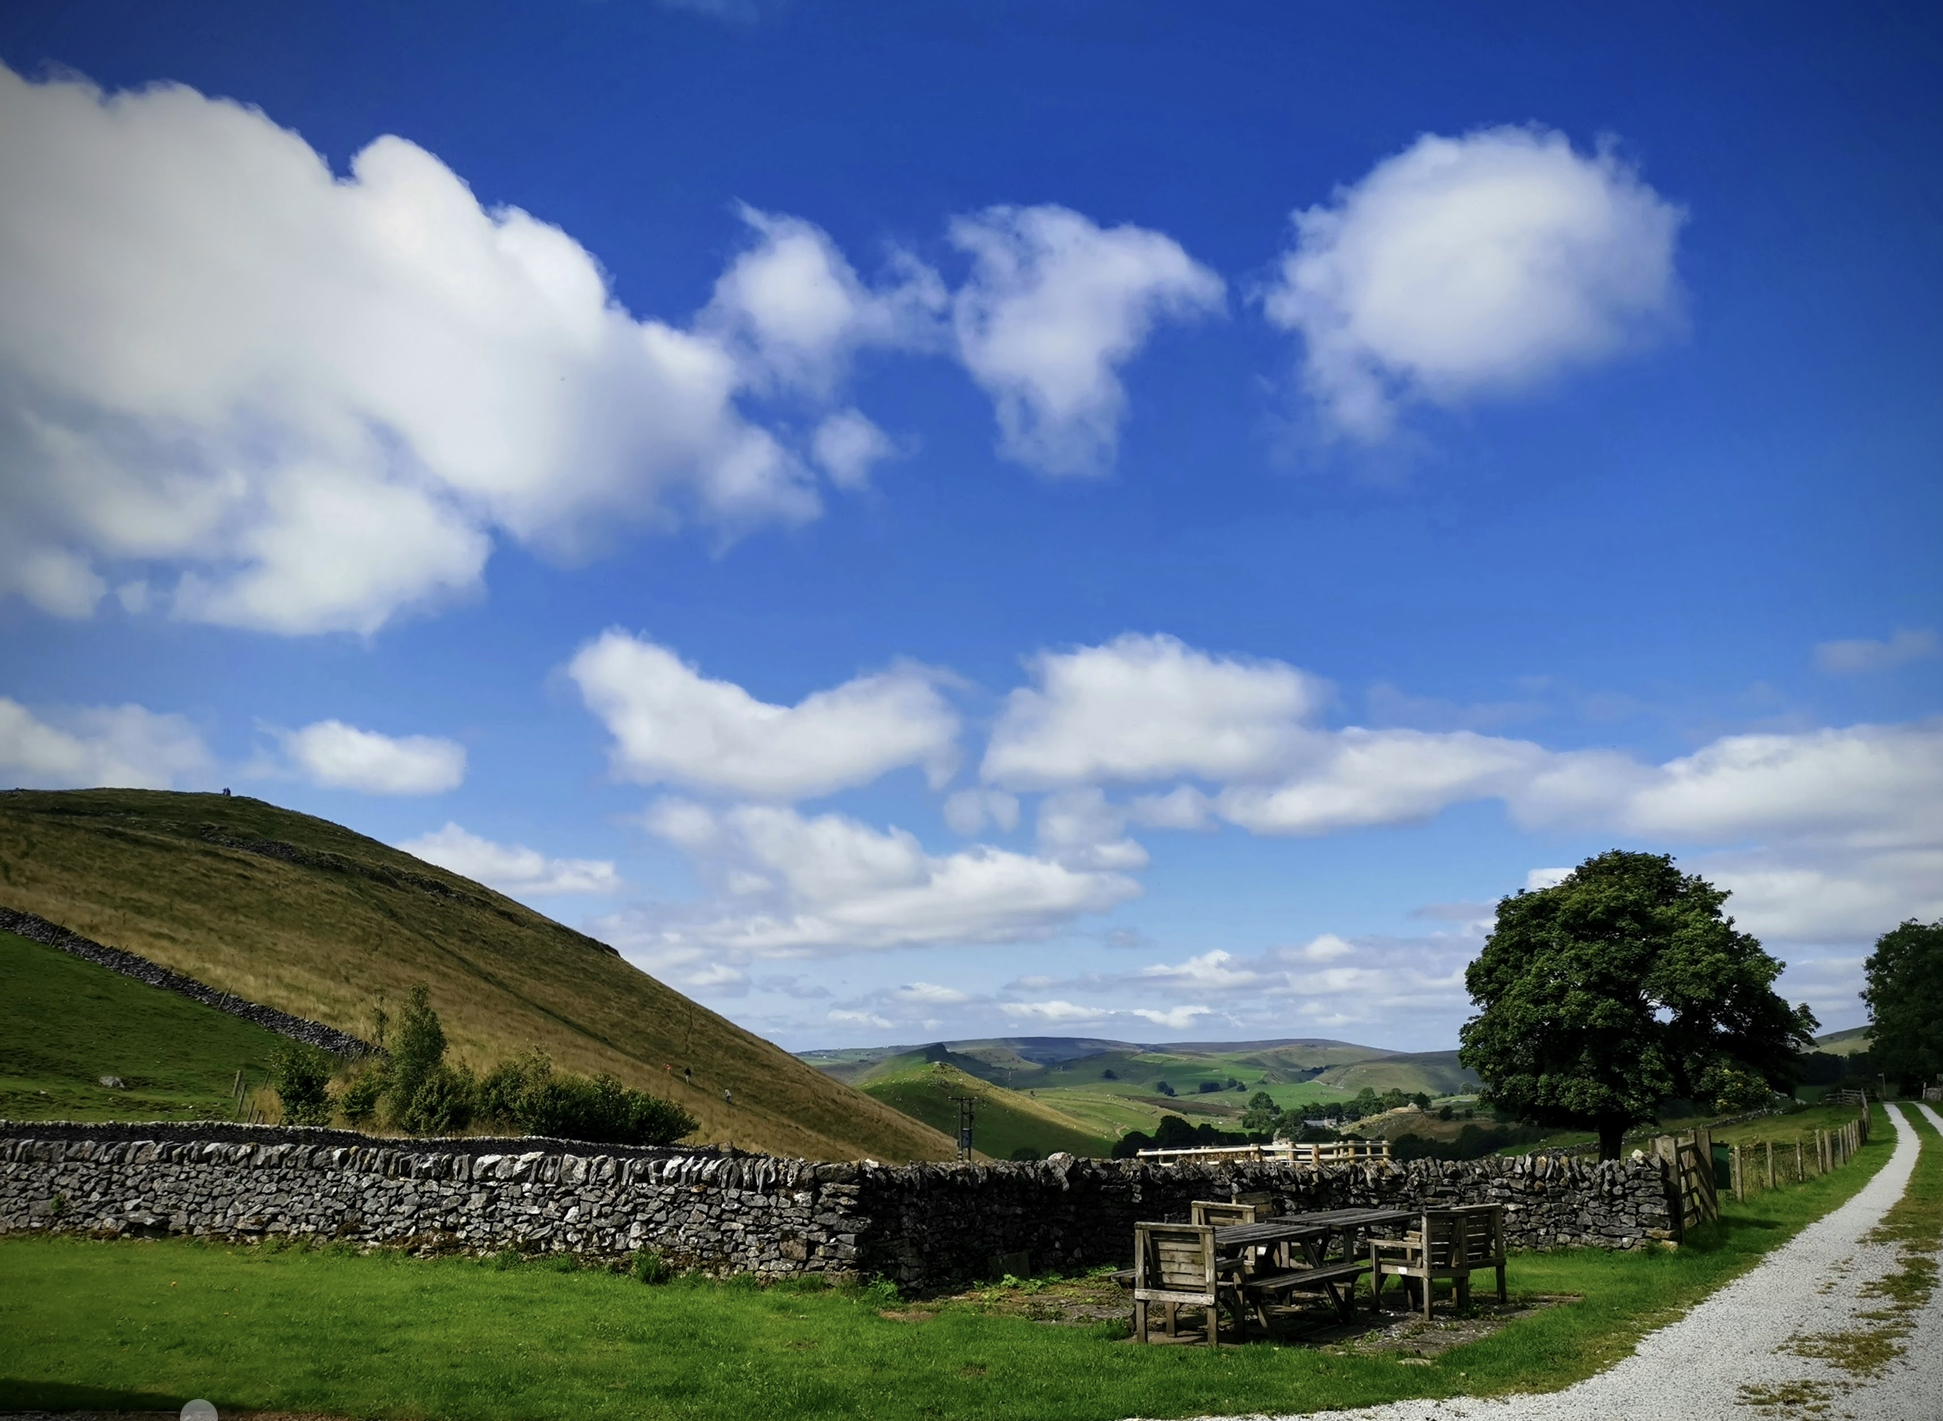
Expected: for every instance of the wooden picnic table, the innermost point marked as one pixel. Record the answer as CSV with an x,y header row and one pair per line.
x,y
1301,1253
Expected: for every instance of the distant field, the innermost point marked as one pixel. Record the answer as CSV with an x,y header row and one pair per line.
x,y
1852,1042
65,1023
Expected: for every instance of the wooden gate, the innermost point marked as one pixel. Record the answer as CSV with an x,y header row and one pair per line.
x,y
1691,1195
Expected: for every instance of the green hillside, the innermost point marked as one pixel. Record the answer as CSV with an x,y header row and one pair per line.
x,y
1005,1120
313,919
1434,1073
65,1023
1852,1042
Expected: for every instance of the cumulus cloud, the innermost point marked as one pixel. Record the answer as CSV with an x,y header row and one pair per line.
x,y
1054,1013
1144,708
847,446
1054,307
967,811
1174,1018
788,885
672,725
1849,658
513,868
118,747
1473,266
334,755
1080,828
796,311
303,402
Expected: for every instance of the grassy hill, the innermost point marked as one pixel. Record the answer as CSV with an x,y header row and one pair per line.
x,y
1434,1073
309,917
1852,1042
65,1023
1005,1119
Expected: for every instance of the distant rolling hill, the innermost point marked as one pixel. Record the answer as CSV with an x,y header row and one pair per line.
x,y
313,919
1852,1042
1109,1087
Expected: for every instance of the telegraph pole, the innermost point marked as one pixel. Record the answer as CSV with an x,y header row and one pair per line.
x,y
966,1105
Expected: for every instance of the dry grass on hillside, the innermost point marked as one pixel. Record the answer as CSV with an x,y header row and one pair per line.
x,y
187,880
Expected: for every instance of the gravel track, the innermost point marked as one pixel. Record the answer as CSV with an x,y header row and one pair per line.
x,y
1694,1369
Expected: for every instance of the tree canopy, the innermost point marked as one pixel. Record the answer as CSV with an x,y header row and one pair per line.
x,y
1618,989
1905,997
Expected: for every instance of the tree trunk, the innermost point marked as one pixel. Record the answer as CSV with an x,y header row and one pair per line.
x,y
1610,1134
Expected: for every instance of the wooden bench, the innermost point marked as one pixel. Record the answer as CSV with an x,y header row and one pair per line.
x,y
1222,1212
1175,1265
1336,1281
1447,1243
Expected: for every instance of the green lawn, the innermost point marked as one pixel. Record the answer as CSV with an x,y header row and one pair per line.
x,y
148,1325
65,1023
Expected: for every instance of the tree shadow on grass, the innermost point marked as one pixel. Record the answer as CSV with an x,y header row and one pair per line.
x,y
19,1394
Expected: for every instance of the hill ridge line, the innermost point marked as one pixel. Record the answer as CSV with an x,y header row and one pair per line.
x,y
312,1033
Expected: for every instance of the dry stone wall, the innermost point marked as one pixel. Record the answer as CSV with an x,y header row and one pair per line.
x,y
128,964
923,1226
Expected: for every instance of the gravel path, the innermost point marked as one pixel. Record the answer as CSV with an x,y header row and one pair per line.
x,y
1695,1368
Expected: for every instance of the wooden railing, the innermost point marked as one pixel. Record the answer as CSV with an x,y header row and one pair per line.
x,y
1324,1152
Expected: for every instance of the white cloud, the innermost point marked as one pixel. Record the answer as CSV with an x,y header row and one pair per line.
x,y
967,811
859,1018
1174,1018
931,994
1471,266
1848,658
1053,1013
672,725
1542,878
334,755
1362,778
318,399
1144,708
834,885
1077,827
795,311
1055,306
513,869
846,446
119,747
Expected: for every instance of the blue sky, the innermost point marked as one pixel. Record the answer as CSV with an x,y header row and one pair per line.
x,y
939,521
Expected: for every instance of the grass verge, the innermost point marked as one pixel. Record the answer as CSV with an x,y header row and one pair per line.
x,y
147,1325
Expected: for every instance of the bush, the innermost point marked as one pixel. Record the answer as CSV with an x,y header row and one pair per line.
x,y
443,1104
1027,1153
420,1049
360,1095
301,1076
1163,1088
1109,1074
1209,1087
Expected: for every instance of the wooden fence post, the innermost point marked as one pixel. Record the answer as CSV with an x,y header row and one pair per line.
x,y
1770,1145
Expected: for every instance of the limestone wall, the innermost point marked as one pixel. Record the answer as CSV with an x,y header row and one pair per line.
x,y
924,1226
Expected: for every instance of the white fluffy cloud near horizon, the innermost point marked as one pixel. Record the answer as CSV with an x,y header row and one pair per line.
x,y
786,885
98,747
1824,831
512,868
333,755
1470,267
672,725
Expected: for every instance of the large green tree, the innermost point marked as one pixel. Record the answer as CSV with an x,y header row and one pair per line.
x,y
1621,987
1905,997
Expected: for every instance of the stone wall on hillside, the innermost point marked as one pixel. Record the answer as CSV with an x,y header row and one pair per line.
x,y
924,1226
128,964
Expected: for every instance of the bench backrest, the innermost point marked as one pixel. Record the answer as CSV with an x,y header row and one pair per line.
x,y
1174,1257
1223,1212
1483,1233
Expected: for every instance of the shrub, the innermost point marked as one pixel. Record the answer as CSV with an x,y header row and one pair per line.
x,y
301,1077
1109,1074
443,1104
420,1049
358,1097
1026,1153
1163,1088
